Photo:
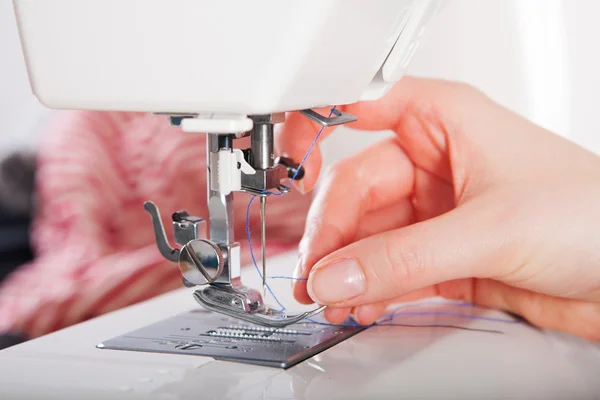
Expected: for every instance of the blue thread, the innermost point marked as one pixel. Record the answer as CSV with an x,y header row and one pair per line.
x,y
422,313
252,252
287,277
449,314
466,328
398,312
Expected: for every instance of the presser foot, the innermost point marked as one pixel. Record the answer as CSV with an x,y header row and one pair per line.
x,y
247,305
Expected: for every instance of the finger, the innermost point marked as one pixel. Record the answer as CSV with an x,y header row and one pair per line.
x,y
336,316
392,217
566,315
410,94
433,196
369,313
428,117
420,111
375,178
385,219
572,316
388,265
299,132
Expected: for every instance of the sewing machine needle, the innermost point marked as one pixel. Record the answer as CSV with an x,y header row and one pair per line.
x,y
263,211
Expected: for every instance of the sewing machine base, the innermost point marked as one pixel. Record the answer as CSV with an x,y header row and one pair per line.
x,y
204,333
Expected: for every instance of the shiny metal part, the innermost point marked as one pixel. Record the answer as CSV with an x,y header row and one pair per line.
x,y
268,174
164,247
263,241
220,210
234,297
275,118
212,259
263,329
264,179
232,264
262,145
203,333
339,118
261,156
186,283
282,189
220,206
201,262
227,302
239,334
185,227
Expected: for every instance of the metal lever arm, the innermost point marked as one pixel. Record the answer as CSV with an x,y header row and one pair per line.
x,y
164,247
339,117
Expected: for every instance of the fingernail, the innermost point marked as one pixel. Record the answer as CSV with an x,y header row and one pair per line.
x,y
336,282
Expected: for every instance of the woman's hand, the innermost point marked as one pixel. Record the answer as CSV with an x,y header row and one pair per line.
x,y
468,201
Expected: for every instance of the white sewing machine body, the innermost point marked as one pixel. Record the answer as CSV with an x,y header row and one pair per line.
x,y
225,57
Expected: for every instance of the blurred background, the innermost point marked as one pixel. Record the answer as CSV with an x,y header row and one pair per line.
x,y
536,57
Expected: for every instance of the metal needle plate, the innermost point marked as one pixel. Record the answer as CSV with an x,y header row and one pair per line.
x,y
204,333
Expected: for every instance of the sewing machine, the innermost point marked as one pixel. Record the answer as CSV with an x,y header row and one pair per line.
x,y
229,68
234,68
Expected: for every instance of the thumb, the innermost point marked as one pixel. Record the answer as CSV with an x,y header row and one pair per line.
x,y
455,245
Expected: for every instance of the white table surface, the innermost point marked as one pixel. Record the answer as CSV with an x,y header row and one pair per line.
x,y
381,362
